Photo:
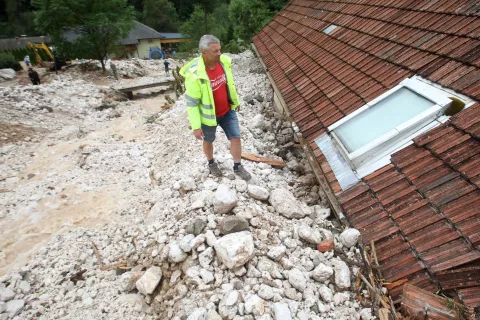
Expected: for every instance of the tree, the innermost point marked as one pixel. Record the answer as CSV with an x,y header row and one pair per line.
x,y
216,23
99,25
160,15
248,17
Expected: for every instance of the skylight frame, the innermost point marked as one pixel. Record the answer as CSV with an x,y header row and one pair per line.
x,y
383,144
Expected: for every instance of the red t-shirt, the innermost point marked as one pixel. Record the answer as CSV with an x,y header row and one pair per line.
x,y
218,82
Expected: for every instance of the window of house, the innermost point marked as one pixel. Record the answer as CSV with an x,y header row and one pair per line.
x,y
150,41
385,124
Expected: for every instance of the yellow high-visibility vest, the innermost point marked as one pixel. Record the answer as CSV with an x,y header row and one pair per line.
x,y
199,95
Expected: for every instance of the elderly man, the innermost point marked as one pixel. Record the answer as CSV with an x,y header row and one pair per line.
x,y
212,100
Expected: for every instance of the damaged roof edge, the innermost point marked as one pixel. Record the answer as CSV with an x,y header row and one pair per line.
x,y
319,174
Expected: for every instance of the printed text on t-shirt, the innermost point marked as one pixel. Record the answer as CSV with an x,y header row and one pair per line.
x,y
217,83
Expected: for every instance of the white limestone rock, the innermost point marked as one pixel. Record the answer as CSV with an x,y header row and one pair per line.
x,y
129,279
206,257
276,252
322,272
349,237
186,243
14,307
281,311
309,235
297,279
255,305
265,292
325,293
285,204
6,294
149,281
235,249
258,193
175,253
225,200
342,274
198,314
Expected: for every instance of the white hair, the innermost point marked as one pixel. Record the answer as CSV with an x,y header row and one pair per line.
x,y
206,40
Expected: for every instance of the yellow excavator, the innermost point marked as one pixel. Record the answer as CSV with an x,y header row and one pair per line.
x,y
43,46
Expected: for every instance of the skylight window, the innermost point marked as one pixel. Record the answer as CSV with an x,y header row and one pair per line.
x,y
329,29
378,128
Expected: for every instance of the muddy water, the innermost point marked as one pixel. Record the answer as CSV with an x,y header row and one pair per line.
x,y
58,211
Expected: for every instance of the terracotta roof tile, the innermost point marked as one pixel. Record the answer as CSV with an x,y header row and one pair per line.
x,y
377,231
471,296
395,191
368,216
421,167
434,178
417,219
401,265
467,118
460,277
470,228
461,152
463,207
423,241
449,255
433,134
390,246
449,191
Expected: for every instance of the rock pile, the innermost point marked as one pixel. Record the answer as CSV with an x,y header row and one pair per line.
x,y
193,246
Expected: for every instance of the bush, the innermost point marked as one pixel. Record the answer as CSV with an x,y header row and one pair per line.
x,y
8,61
232,47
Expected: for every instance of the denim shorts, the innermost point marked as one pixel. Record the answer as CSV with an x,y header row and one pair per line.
x,y
229,124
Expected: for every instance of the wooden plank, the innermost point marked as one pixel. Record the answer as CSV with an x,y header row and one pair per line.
x,y
146,86
255,158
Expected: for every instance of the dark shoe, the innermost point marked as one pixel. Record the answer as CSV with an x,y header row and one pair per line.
x,y
242,173
215,169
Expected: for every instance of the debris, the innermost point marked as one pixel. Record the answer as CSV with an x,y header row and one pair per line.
x,y
325,245
421,304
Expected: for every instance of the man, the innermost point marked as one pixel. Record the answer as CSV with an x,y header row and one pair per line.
x,y
33,75
166,63
212,100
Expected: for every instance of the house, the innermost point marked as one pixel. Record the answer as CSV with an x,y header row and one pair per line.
x,y
139,43
21,42
368,84
172,40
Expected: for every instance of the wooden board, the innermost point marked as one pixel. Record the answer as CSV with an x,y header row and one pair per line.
x,y
255,158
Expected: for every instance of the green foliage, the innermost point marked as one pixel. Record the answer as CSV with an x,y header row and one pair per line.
x,y
7,60
248,17
98,24
199,24
160,15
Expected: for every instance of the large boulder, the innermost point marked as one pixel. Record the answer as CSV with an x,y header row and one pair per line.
x,y
285,204
225,200
235,249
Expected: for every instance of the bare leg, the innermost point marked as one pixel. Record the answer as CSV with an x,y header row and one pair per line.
x,y
208,150
236,149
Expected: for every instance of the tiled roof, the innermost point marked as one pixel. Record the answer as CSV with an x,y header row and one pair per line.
x,y
425,207
422,210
